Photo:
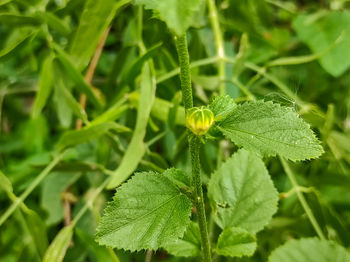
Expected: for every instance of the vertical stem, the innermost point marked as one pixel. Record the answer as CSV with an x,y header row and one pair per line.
x,y
302,200
90,72
194,149
219,43
185,75
194,145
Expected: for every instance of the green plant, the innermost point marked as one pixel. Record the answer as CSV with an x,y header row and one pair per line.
x,y
107,155
157,215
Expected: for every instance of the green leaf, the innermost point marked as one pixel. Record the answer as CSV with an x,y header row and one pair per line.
x,y
189,245
178,15
147,212
98,253
33,221
160,109
241,57
96,17
15,39
62,108
67,100
222,106
320,31
310,250
112,113
88,133
3,2
5,183
17,19
76,77
270,129
178,177
37,230
58,248
136,148
51,194
45,86
53,22
210,83
242,193
236,242
135,68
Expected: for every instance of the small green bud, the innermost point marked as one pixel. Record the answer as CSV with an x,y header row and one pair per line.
x,y
199,120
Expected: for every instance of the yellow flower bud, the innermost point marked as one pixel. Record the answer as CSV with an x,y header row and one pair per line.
x,y
199,120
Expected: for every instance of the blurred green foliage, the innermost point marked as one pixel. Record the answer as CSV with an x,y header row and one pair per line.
x,y
291,52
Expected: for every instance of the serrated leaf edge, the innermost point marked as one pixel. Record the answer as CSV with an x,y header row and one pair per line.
x,y
312,133
97,238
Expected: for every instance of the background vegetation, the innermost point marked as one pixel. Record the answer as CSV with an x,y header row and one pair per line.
x,y
72,112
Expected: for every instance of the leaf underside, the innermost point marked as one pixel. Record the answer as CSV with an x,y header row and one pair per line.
x,y
147,212
310,250
178,15
242,193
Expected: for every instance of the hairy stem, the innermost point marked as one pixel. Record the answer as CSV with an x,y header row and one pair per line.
x,y
194,149
194,144
219,43
185,74
302,200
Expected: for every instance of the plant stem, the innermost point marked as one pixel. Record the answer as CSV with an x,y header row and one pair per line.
x,y
219,43
91,199
185,74
91,71
30,188
176,71
196,175
302,200
194,145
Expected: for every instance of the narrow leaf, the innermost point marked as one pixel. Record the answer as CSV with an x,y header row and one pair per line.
x,y
236,242
45,86
242,193
136,148
58,248
96,17
75,75
160,109
5,183
37,229
270,129
135,68
15,39
66,99
75,137
112,113
53,22
147,212
17,19
98,253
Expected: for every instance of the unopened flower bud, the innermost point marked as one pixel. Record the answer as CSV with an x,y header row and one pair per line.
x,y
199,120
